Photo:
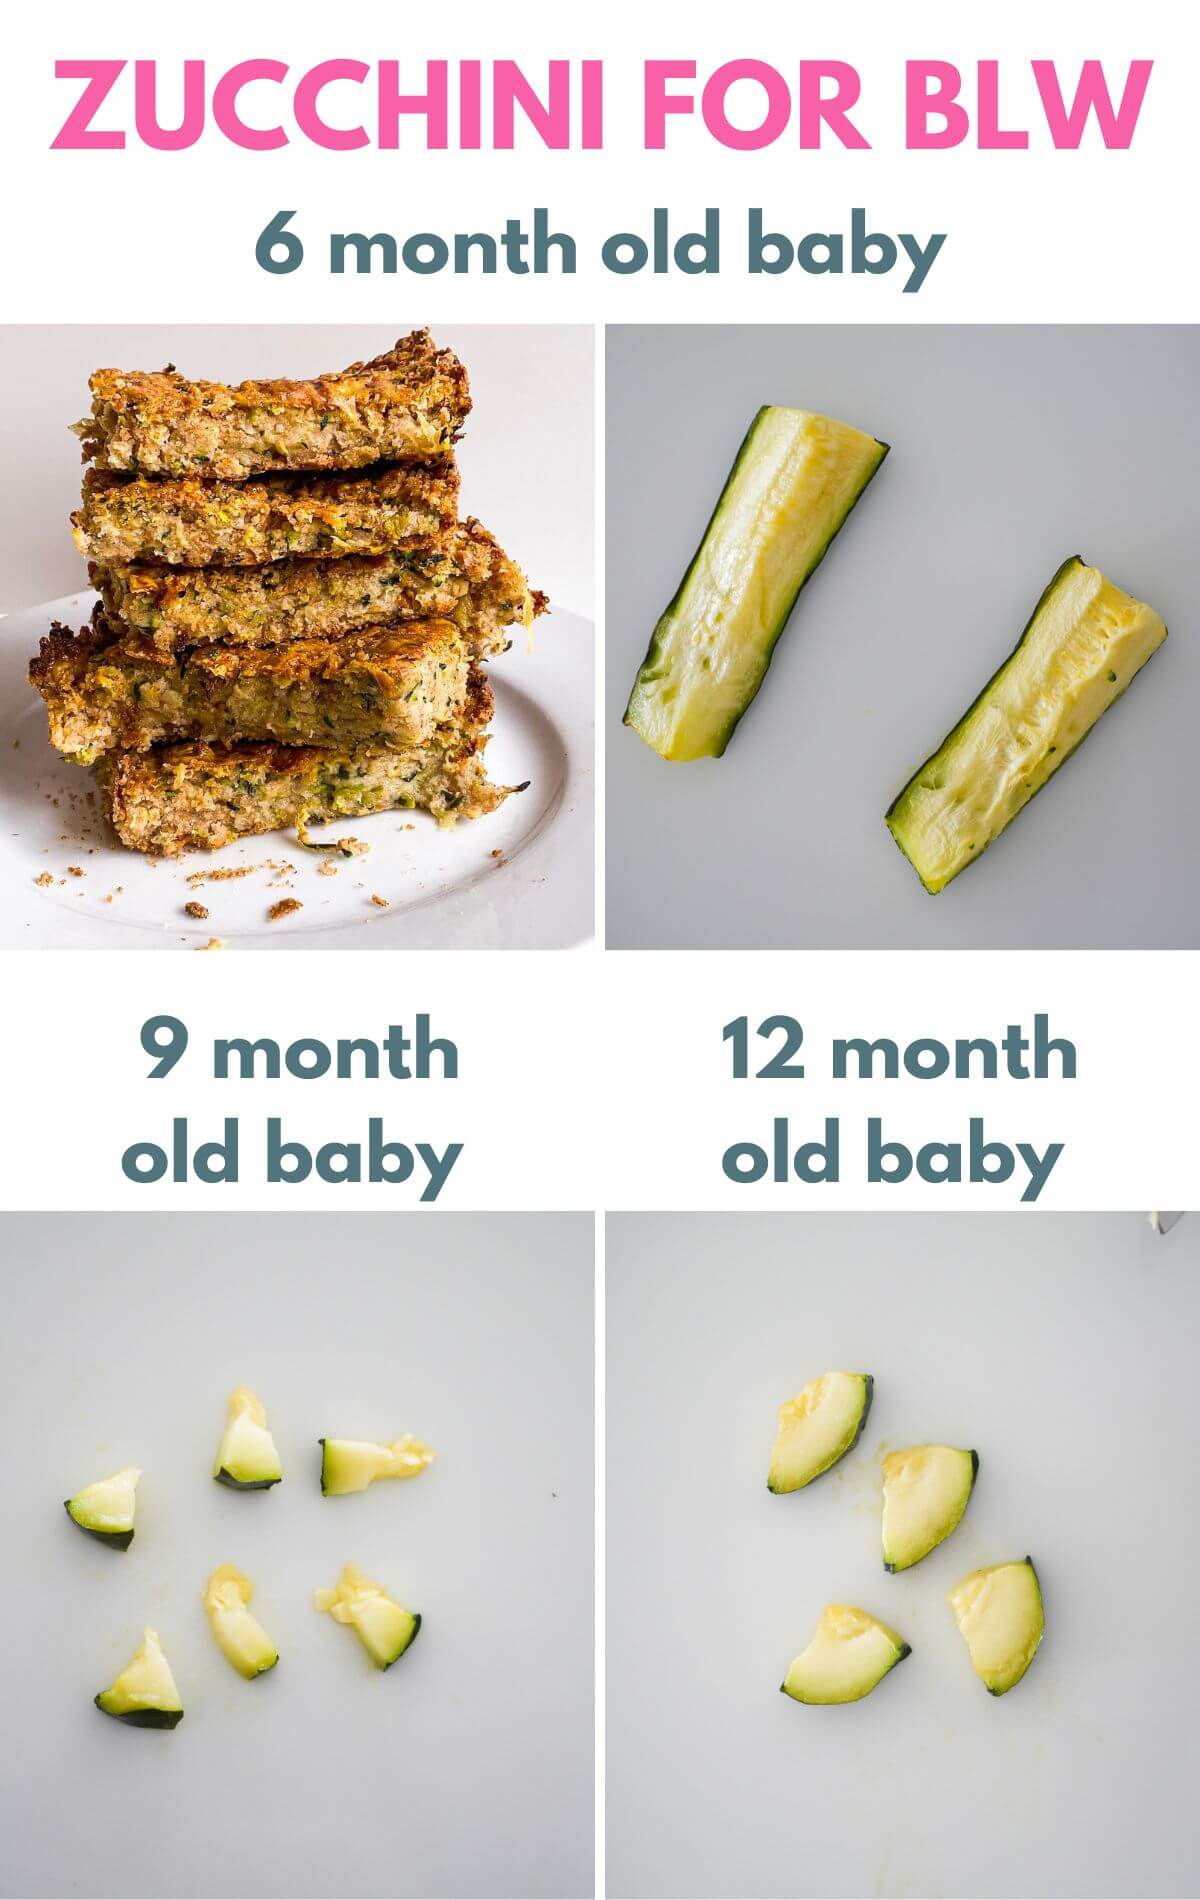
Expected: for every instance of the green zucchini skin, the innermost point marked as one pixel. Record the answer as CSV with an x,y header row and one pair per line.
x,y
653,663
243,1484
116,1540
896,814
416,1631
144,1718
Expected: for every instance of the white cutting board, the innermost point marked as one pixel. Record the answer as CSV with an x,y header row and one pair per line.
x,y
466,1768
1063,1348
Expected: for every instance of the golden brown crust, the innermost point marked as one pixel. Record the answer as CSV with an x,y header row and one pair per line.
x,y
392,685
410,401
187,522
199,797
467,577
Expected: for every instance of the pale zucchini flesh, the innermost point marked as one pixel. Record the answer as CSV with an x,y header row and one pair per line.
x,y
240,1636
246,1457
144,1694
796,478
926,1489
1083,645
384,1627
351,1464
1002,1621
849,1654
819,1426
105,1510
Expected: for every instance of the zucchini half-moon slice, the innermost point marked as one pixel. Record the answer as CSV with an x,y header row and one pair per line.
x,y
926,1489
1000,1616
1083,645
850,1652
795,480
817,1427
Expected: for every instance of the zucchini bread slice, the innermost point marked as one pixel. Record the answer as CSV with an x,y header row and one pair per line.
x,y
197,797
412,401
383,686
467,578
187,522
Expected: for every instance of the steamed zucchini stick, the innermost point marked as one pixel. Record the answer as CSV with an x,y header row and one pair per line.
x,y
795,480
1083,645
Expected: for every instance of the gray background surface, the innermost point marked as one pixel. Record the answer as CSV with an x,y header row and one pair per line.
x,y
464,1770
1062,1348
1012,448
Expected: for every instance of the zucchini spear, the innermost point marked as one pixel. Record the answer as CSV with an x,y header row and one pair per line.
x,y
1082,647
795,480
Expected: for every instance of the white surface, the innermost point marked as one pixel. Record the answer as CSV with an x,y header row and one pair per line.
x,y
1063,1349
1017,220
466,1769
445,887
1126,1123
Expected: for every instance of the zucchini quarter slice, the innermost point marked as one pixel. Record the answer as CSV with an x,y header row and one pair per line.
x,y
925,1492
246,1457
105,1509
1083,645
795,480
849,1653
144,1694
351,1464
1002,1621
383,1627
240,1635
817,1427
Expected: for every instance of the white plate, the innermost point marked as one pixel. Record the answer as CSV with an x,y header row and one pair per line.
x,y
519,879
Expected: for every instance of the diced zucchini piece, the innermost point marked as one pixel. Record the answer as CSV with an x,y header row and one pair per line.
x,y
925,1492
351,1464
795,480
144,1694
817,1427
246,1457
1082,647
105,1509
240,1635
1000,1614
849,1653
383,1627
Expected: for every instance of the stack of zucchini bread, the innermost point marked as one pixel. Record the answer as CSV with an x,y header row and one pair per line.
x,y
292,621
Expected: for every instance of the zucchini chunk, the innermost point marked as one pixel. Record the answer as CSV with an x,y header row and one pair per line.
x,y
105,1509
817,1427
351,1464
795,480
849,1653
239,1634
144,1694
246,1457
925,1492
384,1628
1002,1620
1081,648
